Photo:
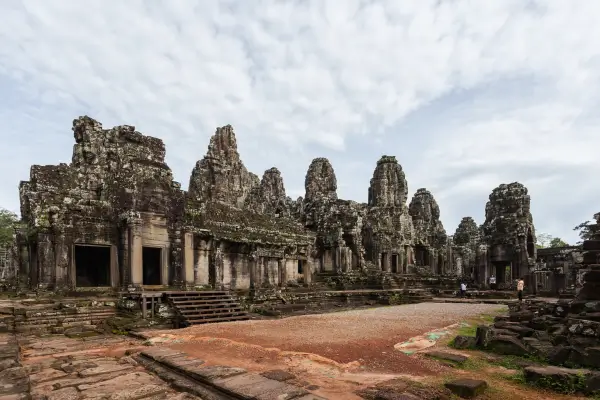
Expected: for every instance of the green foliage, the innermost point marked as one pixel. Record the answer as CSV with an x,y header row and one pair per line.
x,y
584,231
545,241
558,242
8,221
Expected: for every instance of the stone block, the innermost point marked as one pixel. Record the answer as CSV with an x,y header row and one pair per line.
x,y
104,369
446,356
483,334
258,387
566,379
467,388
64,394
278,375
464,342
508,345
157,354
213,372
521,331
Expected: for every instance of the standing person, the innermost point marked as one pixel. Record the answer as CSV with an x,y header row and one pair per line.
x,y
520,287
493,282
463,289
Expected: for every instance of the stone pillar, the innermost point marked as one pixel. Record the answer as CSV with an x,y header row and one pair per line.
x,y
115,278
135,258
46,261
281,276
309,269
188,259
61,261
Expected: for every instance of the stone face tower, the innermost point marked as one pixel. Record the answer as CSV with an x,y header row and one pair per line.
x,y
508,231
465,247
430,235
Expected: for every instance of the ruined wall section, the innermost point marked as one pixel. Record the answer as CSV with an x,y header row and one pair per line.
x,y
112,172
508,229
388,225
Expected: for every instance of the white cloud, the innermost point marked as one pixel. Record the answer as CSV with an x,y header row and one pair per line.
x,y
300,79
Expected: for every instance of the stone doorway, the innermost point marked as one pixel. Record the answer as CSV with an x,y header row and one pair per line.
x,y
502,271
92,265
300,271
421,256
395,264
151,265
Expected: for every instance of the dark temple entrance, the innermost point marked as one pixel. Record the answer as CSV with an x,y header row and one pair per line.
x,y
151,265
92,266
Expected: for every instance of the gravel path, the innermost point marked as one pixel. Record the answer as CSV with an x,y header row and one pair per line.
x,y
367,336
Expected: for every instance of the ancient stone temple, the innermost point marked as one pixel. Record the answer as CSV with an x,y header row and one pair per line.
x,y
508,233
115,218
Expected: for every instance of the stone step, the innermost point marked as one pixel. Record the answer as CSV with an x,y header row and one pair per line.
x,y
196,293
210,313
196,301
184,299
220,319
207,306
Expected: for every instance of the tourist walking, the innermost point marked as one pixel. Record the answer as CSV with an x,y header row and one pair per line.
x,y
463,289
493,282
520,287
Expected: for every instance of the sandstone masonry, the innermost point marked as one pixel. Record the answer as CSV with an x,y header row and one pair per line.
x,y
115,218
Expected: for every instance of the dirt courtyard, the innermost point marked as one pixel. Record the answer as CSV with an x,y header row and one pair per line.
x,y
338,352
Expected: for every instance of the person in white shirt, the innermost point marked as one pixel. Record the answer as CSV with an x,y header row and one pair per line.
x,y
463,289
520,287
493,282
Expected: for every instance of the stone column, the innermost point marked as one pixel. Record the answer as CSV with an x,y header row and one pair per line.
x,y
309,268
46,261
188,259
281,271
136,263
61,254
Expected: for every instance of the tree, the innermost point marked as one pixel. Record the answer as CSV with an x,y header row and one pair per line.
x,y
8,221
545,241
557,242
584,230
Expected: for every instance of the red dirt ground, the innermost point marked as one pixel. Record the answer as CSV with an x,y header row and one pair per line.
x,y
340,352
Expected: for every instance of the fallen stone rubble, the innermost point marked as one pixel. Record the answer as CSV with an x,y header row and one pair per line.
x,y
565,334
14,379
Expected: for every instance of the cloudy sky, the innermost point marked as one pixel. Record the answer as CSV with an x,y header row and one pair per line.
x,y
466,94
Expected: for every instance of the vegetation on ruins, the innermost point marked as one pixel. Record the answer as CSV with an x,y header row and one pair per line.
x,y
8,221
584,231
547,241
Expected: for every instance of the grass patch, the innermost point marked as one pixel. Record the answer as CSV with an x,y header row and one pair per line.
x,y
518,377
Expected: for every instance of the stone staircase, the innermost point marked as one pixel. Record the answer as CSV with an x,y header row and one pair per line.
x,y
201,307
